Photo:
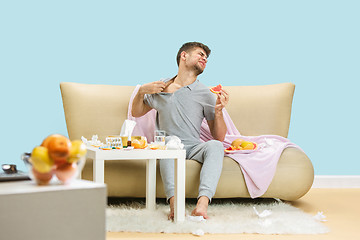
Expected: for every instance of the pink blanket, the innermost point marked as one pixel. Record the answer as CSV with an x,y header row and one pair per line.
x,y
258,166
145,125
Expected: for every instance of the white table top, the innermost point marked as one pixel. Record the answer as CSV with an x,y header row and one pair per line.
x,y
135,153
21,187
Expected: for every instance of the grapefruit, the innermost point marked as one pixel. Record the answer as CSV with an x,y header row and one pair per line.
x,y
230,149
216,89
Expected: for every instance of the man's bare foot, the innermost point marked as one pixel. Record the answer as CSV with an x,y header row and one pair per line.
x,y
201,207
171,214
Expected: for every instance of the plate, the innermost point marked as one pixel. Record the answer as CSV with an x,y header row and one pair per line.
x,y
128,148
233,151
242,151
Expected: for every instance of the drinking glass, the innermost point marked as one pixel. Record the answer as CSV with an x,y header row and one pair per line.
x,y
159,137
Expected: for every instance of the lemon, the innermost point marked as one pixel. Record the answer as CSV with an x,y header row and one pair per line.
x,y
247,145
40,159
77,150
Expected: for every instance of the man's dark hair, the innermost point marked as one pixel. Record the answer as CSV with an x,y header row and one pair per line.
x,y
189,46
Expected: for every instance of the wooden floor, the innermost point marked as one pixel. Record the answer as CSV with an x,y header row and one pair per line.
x,y
340,206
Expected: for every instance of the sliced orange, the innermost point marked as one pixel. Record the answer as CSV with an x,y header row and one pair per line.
x,y
154,146
139,144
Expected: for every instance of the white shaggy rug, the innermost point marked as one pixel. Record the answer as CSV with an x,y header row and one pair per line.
x,y
268,217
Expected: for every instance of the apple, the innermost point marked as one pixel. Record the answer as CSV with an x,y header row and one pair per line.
x,y
42,178
66,172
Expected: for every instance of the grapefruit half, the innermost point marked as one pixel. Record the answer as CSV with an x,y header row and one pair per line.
x,y
216,89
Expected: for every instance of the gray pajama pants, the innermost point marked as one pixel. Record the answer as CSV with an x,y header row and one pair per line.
x,y
210,154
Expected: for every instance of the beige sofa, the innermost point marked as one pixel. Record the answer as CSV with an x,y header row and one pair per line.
x,y
255,110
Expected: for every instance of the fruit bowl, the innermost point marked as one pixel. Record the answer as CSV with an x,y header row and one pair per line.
x,y
62,174
57,158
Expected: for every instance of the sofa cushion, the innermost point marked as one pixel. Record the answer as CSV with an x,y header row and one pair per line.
x,y
128,178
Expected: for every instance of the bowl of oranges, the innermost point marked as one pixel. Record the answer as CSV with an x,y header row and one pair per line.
x,y
57,159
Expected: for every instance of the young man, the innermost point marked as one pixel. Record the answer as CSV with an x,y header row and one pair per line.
x,y
182,103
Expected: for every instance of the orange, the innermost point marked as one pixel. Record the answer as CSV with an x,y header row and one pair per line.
x,y
154,146
236,144
59,148
46,141
140,144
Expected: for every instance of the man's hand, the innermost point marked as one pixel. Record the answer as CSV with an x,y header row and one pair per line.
x,y
139,108
217,126
151,88
221,101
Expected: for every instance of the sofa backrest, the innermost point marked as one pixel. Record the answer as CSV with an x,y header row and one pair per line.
x,y
101,109
94,109
261,110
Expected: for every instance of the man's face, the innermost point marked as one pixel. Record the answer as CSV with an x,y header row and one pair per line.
x,y
196,59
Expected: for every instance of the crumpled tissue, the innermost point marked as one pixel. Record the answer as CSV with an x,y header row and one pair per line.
x,y
196,218
269,142
320,217
265,213
198,232
262,221
94,141
173,142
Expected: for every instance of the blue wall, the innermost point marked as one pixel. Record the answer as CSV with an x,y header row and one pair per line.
x,y
314,44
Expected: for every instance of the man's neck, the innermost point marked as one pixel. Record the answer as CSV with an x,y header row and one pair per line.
x,y
185,78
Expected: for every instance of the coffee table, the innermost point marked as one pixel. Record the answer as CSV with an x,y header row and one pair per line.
x,y
99,157
73,211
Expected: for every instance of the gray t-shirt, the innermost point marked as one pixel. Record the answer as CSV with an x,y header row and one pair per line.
x,y
180,113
